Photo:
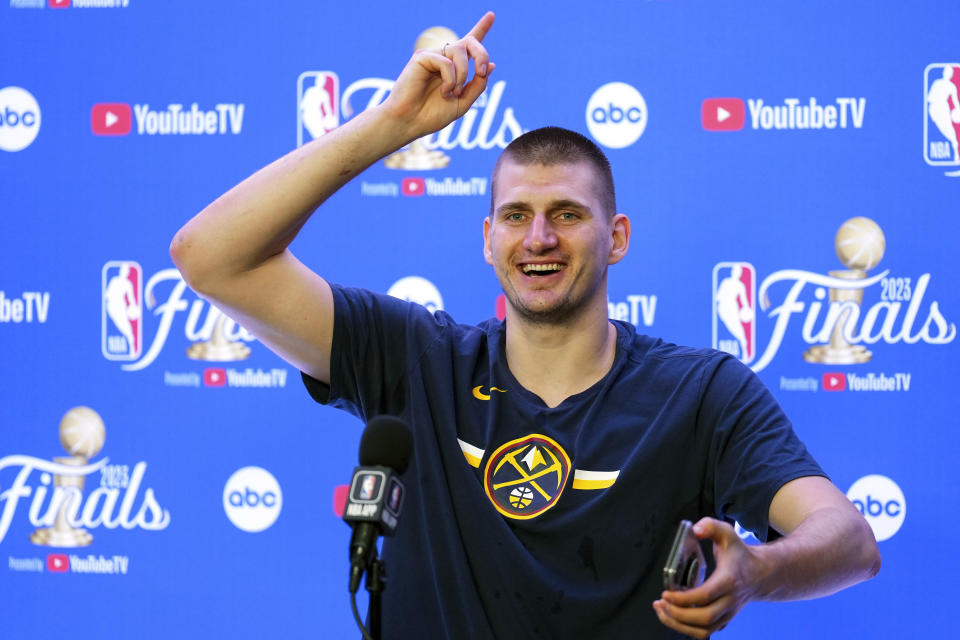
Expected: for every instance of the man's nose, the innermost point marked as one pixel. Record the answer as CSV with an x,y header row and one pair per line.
x,y
540,235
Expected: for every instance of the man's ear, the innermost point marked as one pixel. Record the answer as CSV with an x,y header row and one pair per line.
x,y
487,253
620,231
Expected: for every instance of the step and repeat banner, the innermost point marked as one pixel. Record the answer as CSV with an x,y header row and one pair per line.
x,y
792,175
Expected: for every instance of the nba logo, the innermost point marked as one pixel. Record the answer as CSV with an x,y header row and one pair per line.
x,y
318,100
941,115
122,310
396,496
734,309
368,487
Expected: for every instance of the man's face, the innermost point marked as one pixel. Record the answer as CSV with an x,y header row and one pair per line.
x,y
550,241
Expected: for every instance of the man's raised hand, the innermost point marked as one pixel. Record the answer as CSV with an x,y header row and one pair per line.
x,y
433,90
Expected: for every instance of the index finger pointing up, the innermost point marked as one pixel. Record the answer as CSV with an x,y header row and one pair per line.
x,y
480,29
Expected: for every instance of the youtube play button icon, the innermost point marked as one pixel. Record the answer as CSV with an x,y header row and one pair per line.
x,y
413,186
723,114
215,377
111,119
834,381
58,563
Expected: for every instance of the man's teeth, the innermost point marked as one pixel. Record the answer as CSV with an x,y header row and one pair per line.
x,y
528,268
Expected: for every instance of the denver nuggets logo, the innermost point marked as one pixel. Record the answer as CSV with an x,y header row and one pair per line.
x,y
526,476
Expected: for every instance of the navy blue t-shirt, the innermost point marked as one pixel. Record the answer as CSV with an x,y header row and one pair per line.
x,y
525,521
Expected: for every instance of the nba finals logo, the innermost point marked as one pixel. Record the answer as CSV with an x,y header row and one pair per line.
x,y
941,116
833,312
126,292
318,99
860,245
122,310
734,306
417,156
526,476
486,124
62,514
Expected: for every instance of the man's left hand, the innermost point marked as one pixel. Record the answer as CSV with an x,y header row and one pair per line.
x,y
708,608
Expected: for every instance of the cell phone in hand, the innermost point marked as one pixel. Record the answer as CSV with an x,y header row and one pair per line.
x,y
686,566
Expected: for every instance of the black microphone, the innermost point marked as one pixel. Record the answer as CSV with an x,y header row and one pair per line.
x,y
376,492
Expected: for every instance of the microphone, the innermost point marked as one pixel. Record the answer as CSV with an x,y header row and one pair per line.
x,y
376,492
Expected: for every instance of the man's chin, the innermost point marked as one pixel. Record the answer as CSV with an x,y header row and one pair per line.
x,y
545,312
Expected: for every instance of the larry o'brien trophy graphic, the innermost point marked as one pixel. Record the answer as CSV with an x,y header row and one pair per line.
x,y
416,156
219,348
82,435
860,245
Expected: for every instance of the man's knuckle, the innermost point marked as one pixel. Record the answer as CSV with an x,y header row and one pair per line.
x,y
717,617
696,617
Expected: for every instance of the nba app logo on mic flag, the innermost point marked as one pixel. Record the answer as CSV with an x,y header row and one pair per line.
x,y
367,487
734,309
121,335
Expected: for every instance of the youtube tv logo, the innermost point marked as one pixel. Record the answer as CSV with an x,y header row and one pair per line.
x,y
58,563
59,4
723,114
215,377
413,187
111,119
834,382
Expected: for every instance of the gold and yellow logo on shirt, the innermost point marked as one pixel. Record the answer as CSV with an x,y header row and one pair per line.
x,y
525,477
480,395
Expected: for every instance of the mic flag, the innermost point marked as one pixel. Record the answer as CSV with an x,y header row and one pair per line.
x,y
376,493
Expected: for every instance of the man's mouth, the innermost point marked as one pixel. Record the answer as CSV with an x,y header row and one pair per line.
x,y
547,269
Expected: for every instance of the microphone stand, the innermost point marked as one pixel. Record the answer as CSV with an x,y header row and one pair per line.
x,y
376,583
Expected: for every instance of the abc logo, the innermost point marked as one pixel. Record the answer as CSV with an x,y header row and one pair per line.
x,y
252,499
616,115
19,118
881,502
419,290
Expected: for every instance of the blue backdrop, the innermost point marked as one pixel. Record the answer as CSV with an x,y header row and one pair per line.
x,y
743,135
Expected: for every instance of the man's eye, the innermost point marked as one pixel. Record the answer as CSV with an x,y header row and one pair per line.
x,y
515,217
568,216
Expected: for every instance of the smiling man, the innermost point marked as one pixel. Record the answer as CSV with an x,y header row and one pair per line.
x,y
552,231
555,452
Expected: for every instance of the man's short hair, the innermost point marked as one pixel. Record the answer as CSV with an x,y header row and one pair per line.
x,y
555,145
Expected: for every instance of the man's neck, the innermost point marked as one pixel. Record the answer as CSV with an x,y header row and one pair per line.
x,y
558,361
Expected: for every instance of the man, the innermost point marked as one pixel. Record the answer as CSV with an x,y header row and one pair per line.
x,y
556,452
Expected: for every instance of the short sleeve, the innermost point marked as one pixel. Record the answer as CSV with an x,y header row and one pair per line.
x,y
754,450
375,339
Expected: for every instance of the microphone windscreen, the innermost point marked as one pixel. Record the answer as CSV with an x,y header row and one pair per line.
x,y
386,442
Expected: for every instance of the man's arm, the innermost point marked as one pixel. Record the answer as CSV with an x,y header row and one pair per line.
x,y
827,546
235,252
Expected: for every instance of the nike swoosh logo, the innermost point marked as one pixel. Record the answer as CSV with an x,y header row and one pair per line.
x,y
480,395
